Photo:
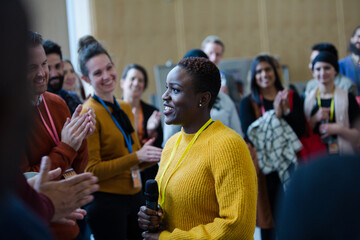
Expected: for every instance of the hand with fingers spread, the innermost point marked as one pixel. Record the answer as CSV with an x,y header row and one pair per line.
x,y
66,195
153,123
77,128
149,153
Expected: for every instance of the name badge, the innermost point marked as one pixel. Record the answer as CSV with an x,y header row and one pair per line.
x,y
333,148
136,177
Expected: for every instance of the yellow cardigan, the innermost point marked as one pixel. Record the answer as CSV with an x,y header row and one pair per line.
x,y
109,158
212,195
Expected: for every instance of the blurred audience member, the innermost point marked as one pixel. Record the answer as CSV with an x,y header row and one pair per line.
x,y
147,118
350,65
272,129
332,111
72,82
322,201
56,75
25,212
214,48
340,80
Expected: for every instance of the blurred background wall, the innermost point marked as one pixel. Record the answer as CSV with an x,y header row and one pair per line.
x,y
151,32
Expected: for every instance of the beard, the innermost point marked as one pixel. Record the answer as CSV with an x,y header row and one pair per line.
x,y
55,84
354,49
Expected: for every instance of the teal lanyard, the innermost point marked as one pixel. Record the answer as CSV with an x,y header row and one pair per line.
x,y
127,137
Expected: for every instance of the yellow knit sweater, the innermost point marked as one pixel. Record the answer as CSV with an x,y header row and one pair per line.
x,y
212,195
109,158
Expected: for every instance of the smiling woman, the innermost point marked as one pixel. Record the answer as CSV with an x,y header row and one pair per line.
x,y
332,111
270,102
115,153
207,160
147,118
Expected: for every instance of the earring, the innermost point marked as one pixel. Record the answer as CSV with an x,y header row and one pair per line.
x,y
200,105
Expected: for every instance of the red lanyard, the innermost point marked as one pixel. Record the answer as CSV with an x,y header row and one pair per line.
x,y
52,133
262,105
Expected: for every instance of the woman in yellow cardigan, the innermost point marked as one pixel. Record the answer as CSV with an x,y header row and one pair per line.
x,y
115,154
207,181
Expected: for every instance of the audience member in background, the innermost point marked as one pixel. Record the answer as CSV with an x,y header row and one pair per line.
x,y
72,82
54,132
223,110
350,65
147,118
332,111
266,108
214,49
322,201
56,78
115,152
340,80
207,182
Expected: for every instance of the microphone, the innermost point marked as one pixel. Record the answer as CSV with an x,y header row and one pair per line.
x,y
151,196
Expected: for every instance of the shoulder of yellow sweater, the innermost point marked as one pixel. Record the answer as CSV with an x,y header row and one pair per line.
x,y
220,136
53,99
171,141
92,103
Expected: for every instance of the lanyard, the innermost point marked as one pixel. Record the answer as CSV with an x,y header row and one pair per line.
x,y
127,137
162,196
53,133
332,105
262,104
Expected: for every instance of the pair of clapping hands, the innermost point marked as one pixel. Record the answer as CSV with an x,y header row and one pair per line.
x,y
78,127
67,195
281,103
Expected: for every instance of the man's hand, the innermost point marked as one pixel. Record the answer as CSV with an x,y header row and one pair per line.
x,y
70,220
66,195
78,128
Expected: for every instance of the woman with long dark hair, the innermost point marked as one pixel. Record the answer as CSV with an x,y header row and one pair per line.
x,y
270,102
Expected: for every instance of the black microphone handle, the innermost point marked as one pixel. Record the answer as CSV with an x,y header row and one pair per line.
x,y
151,197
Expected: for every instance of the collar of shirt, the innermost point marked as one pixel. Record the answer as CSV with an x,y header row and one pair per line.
x,y
355,58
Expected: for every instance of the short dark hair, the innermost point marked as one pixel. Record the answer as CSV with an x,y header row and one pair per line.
x,y
195,53
205,75
89,47
33,39
137,67
325,47
255,91
51,47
